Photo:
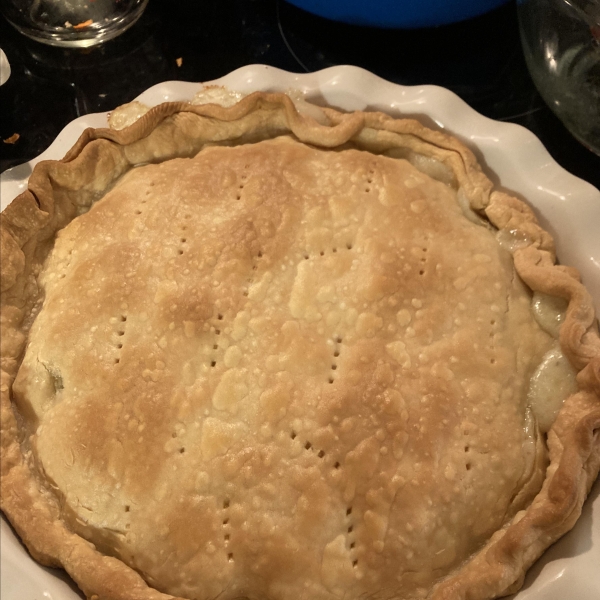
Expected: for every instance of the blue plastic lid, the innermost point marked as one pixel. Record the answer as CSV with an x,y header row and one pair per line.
x,y
398,13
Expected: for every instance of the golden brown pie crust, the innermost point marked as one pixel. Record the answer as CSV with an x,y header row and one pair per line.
x,y
279,361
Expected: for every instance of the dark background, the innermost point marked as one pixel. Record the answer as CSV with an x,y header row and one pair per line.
x,y
480,60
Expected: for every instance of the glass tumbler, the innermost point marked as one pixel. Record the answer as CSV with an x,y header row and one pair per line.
x,y
72,23
561,42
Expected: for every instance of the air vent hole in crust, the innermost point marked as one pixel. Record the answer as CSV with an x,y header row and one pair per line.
x,y
120,323
308,445
350,535
423,260
183,240
493,341
226,529
337,340
334,250
369,180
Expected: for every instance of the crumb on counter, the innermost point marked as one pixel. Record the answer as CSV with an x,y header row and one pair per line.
x,y
13,139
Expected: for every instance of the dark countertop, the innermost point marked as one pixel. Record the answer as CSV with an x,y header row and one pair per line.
x,y
480,60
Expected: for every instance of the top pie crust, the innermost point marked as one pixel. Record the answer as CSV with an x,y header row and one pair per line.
x,y
277,360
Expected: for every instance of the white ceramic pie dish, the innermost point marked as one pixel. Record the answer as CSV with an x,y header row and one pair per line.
x,y
512,157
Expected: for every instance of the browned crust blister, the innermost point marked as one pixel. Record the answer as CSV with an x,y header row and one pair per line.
x,y
60,190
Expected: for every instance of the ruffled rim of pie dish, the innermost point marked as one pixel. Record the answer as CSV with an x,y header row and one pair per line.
x,y
60,190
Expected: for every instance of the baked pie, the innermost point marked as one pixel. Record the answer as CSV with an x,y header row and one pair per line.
x,y
247,352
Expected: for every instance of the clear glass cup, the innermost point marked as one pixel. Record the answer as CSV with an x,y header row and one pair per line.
x,y
72,23
561,42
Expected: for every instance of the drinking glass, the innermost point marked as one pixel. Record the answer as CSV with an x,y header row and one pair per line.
x,y
561,42
72,23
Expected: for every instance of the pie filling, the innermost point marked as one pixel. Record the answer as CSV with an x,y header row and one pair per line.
x,y
281,372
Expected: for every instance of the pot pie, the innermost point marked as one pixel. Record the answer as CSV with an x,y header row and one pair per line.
x,y
247,353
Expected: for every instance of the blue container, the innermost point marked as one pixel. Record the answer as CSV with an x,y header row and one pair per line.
x,y
398,13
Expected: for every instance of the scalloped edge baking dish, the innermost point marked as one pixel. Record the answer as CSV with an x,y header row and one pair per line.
x,y
512,157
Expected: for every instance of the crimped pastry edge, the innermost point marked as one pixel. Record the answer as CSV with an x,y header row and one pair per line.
x,y
30,222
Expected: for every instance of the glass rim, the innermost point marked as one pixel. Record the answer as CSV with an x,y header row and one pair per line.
x,y
581,7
